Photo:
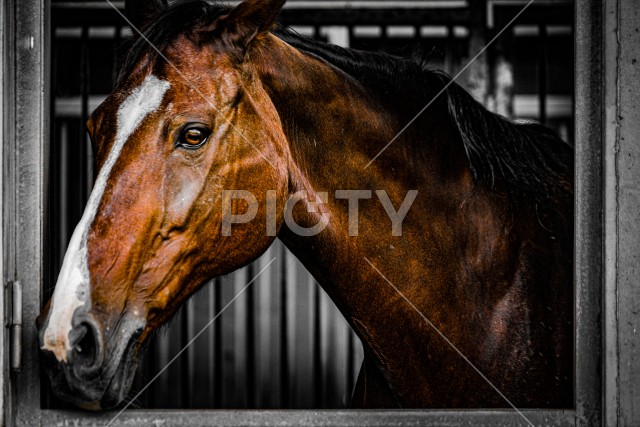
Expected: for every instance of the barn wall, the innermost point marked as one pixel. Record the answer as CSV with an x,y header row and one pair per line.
x,y
622,214
24,148
3,131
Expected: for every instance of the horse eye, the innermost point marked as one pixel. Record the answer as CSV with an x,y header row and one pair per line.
x,y
194,137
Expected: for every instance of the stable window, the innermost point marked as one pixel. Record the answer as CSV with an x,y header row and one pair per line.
x,y
42,39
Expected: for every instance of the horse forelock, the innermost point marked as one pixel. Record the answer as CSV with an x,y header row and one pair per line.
x,y
72,290
182,18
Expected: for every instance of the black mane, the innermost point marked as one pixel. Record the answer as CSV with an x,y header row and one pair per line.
x,y
530,161
529,158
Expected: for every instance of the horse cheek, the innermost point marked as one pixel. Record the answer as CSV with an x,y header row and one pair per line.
x,y
181,193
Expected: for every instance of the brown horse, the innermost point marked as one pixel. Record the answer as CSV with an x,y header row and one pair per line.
x,y
477,289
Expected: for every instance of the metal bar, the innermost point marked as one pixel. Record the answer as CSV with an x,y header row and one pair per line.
x,y
302,311
317,367
372,418
84,93
61,153
161,350
52,222
477,75
542,72
611,133
182,362
116,54
384,33
30,162
550,12
285,400
148,370
292,326
588,215
450,44
71,106
621,132
251,342
190,354
186,360
234,340
211,338
267,336
352,34
312,16
8,131
303,4
217,393
351,354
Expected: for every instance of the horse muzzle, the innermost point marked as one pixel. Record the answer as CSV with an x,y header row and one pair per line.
x,y
100,364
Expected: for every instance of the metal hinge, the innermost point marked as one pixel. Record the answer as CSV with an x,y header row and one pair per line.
x,y
13,321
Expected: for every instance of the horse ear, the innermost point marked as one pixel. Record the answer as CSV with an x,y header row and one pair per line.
x,y
139,12
249,19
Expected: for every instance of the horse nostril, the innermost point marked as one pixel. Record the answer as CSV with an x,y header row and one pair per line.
x,y
85,347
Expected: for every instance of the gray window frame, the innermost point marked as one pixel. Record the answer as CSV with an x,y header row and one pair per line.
x,y
25,170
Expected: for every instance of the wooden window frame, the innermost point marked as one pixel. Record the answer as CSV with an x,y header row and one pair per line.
x,y
25,134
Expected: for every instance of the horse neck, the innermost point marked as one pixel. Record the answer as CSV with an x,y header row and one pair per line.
x,y
325,112
334,128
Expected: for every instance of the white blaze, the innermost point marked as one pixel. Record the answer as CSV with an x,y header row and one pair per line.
x,y
72,288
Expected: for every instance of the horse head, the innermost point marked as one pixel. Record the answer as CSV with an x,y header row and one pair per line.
x,y
185,123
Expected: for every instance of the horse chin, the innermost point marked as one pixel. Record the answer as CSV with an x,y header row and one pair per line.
x,y
120,384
